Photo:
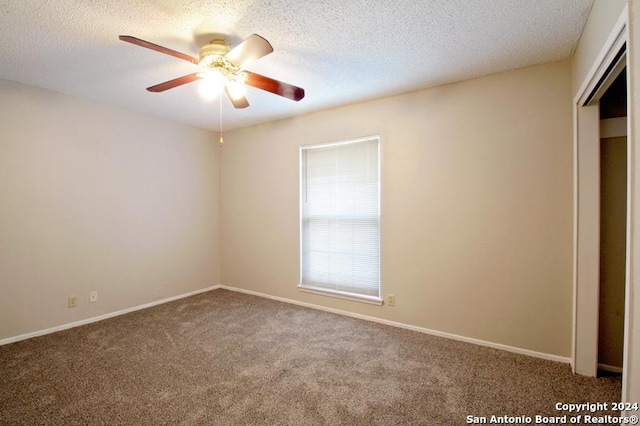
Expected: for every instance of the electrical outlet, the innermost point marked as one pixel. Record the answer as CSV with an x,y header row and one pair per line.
x,y
73,301
93,296
391,300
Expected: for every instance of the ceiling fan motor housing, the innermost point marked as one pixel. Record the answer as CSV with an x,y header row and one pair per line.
x,y
213,53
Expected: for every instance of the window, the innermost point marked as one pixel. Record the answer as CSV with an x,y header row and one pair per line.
x,y
340,219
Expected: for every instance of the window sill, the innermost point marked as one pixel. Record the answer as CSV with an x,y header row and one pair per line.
x,y
371,300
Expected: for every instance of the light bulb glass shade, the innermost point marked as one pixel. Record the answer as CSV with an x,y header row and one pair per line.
x,y
211,84
236,90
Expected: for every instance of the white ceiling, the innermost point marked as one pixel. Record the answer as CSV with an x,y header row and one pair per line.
x,y
339,51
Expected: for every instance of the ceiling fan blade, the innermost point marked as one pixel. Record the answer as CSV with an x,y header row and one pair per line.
x,y
237,101
157,48
286,90
174,83
251,48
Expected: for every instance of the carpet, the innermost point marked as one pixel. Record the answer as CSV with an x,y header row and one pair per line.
x,y
226,358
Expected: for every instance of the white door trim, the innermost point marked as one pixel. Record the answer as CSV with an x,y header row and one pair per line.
x,y
587,205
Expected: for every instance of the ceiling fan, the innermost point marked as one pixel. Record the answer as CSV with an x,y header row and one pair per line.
x,y
218,59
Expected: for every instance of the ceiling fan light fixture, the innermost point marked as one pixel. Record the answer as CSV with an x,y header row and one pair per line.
x,y
211,84
223,68
214,76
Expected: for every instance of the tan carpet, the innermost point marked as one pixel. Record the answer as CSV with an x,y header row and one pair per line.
x,y
225,358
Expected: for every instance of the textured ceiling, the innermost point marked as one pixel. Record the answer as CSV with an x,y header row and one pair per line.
x,y
339,51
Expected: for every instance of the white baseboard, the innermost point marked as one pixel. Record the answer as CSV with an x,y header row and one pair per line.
x,y
479,342
102,317
610,368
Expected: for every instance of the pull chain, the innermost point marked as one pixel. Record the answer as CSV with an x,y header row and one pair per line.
x,y
220,99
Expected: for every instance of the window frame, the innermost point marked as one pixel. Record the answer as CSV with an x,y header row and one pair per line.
x,y
309,288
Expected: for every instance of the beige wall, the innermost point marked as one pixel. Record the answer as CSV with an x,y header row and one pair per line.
x,y
613,239
476,206
97,198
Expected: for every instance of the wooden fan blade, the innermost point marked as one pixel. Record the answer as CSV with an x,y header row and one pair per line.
x,y
157,48
251,48
286,90
237,102
174,83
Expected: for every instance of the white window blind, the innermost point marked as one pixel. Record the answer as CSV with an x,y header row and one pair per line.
x,y
340,218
